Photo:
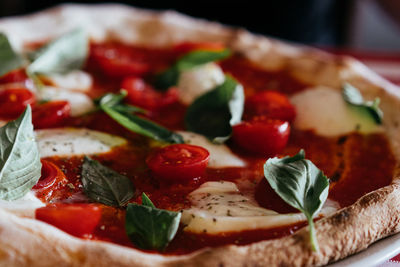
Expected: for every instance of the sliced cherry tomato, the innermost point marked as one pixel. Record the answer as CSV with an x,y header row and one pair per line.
x,y
185,47
144,95
116,62
75,219
272,104
179,162
267,198
50,114
14,101
262,135
15,76
50,173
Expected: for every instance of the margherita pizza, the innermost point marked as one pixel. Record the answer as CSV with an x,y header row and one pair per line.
x,y
133,138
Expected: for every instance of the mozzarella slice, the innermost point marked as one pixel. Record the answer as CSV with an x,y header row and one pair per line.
x,y
74,80
72,141
219,207
220,155
80,103
199,80
324,110
24,206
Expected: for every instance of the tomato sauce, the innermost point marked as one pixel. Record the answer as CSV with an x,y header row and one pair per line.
x,y
356,164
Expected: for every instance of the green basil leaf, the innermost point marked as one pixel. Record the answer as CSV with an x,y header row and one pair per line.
x,y
20,166
62,55
193,59
149,227
354,98
117,111
146,201
213,113
105,185
9,60
300,184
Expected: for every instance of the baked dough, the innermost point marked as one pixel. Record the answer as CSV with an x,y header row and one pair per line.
x,y
28,242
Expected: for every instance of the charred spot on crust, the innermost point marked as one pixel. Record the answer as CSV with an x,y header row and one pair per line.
x,y
341,217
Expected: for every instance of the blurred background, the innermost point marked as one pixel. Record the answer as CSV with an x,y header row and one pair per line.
x,y
366,29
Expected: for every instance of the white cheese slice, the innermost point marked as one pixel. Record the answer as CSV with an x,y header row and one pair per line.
x,y
324,110
24,206
219,207
73,141
80,102
199,80
220,155
74,80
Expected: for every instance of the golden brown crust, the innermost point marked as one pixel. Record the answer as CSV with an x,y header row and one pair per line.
x,y
27,242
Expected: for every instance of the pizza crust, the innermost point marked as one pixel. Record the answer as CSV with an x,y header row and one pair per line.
x,y
27,242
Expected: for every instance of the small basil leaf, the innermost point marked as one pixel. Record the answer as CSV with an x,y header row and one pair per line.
x,y
64,54
354,98
119,113
105,185
20,166
213,113
9,60
300,184
193,59
146,201
149,227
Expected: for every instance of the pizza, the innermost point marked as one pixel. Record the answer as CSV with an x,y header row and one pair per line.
x,y
139,138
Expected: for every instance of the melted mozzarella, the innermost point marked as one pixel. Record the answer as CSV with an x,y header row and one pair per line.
x,y
24,206
80,102
220,155
74,80
2,123
219,207
71,141
324,110
199,80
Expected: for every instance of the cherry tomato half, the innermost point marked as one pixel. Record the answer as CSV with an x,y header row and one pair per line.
x,y
144,95
50,114
15,76
14,101
116,62
179,162
186,47
50,173
272,104
75,219
262,135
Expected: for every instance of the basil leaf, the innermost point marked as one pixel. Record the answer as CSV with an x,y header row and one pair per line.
x,y
9,60
119,112
146,201
105,185
353,97
149,227
300,184
20,166
64,54
193,59
213,113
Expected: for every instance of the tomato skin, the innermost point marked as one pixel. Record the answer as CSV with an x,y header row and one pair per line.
x,y
13,102
117,63
144,95
15,76
272,104
186,47
51,114
179,162
76,219
262,135
50,173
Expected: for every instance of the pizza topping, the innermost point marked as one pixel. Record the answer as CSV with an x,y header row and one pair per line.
x,y
13,102
186,47
105,185
49,175
180,162
15,76
73,141
19,158
262,136
193,59
76,219
354,98
51,114
124,115
9,60
214,113
300,184
74,80
149,227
